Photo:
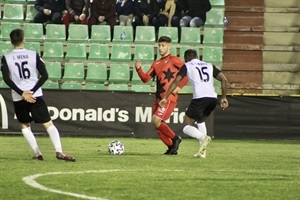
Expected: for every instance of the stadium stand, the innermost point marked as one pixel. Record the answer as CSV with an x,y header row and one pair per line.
x,y
13,12
121,53
145,35
6,28
98,52
76,51
123,34
119,73
172,32
100,34
34,32
55,32
190,36
78,33
144,53
53,51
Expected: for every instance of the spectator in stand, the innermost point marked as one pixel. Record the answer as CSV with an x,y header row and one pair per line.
x,y
103,11
146,13
49,11
78,11
179,10
125,12
167,12
195,13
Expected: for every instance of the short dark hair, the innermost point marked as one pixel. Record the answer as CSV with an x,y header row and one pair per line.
x,y
164,39
16,37
190,54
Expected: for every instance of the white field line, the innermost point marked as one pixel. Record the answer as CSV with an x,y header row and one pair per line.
x,y
30,180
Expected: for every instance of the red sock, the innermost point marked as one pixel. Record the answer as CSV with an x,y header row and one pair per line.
x,y
165,129
166,140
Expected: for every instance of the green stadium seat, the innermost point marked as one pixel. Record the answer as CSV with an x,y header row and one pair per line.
x,y
121,53
30,13
55,32
6,28
34,46
213,55
13,12
76,51
71,86
118,87
5,46
98,52
78,33
141,88
100,34
190,36
135,77
144,53
34,32
53,50
95,86
3,84
213,36
217,3
96,72
145,35
172,32
214,18
15,1
73,72
119,73
187,89
54,70
123,34
50,85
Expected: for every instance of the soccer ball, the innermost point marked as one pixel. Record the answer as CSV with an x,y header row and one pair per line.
x,y
116,147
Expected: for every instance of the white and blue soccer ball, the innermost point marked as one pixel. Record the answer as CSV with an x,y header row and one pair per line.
x,y
116,147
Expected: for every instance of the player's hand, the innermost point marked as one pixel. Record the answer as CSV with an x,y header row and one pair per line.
x,y
176,90
76,17
28,97
138,64
224,103
162,102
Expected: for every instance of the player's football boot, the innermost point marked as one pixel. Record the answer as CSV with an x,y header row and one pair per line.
x,y
202,150
39,157
175,146
201,154
62,156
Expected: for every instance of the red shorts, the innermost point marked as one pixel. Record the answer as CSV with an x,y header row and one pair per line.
x,y
165,112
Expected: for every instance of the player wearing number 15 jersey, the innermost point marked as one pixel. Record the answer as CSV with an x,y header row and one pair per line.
x,y
201,75
24,72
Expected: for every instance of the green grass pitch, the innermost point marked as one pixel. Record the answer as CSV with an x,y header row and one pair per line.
x,y
233,169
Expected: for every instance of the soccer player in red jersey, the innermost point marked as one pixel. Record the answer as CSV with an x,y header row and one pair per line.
x,y
165,69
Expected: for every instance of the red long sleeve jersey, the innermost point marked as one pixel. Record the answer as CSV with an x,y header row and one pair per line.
x,y
165,69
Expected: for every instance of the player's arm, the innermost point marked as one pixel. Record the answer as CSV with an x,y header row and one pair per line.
x,y
6,77
221,77
178,63
41,67
145,77
181,74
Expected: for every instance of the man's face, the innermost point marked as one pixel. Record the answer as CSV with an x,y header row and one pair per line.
x,y
164,48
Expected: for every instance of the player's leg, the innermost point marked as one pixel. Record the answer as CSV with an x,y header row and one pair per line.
x,y
161,114
22,111
40,114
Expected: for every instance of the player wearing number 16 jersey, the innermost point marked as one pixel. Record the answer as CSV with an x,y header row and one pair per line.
x,y
201,75
24,72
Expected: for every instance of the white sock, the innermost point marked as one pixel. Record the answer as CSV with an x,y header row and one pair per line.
x,y
28,135
193,132
55,138
203,130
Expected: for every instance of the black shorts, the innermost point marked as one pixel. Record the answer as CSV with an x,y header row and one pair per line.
x,y
38,110
200,109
